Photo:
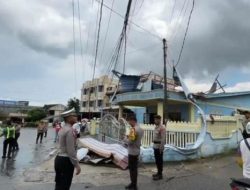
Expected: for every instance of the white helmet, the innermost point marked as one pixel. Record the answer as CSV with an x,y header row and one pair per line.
x,y
248,128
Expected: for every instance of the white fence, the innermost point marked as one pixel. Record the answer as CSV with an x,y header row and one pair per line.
x,y
179,134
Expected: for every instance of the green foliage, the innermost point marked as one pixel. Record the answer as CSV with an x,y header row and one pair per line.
x,y
36,114
74,103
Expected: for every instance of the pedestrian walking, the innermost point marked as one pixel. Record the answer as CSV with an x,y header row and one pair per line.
x,y
18,127
133,141
159,141
84,126
77,128
57,126
9,138
40,130
66,160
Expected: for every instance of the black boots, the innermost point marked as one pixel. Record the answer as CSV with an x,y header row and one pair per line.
x,y
157,177
131,187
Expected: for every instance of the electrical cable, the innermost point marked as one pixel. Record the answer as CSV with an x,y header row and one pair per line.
x,y
80,31
138,26
184,39
106,34
97,40
75,80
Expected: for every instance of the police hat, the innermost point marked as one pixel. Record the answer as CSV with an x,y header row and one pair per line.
x,y
68,113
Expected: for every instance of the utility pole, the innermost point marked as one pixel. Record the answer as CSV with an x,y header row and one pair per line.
x,y
165,113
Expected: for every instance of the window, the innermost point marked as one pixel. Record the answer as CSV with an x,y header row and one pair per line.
x,y
85,91
100,88
91,103
92,90
174,116
83,104
99,103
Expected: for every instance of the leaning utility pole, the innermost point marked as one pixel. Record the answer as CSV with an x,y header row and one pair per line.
x,y
165,113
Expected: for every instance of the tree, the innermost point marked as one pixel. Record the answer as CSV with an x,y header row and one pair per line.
x,y
74,103
36,114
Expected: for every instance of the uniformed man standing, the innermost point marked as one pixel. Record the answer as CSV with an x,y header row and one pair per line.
x,y
133,140
9,135
66,160
40,130
159,142
17,135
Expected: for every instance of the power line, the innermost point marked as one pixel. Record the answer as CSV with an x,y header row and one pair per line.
x,y
73,8
175,31
138,26
184,39
105,38
172,13
97,40
80,30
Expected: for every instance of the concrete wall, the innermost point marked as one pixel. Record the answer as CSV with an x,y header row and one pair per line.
x,y
214,109
210,147
242,101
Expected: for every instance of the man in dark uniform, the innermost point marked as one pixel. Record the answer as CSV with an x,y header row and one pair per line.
x,y
66,160
9,135
159,142
133,141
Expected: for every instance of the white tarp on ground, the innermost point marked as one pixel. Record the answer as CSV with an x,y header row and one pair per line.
x,y
116,152
82,153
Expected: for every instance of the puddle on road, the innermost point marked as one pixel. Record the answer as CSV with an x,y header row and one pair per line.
x,y
30,154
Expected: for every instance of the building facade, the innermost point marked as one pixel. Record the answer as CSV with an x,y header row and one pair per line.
x,y
96,94
54,111
16,110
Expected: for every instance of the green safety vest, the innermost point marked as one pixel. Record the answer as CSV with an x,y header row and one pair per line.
x,y
10,132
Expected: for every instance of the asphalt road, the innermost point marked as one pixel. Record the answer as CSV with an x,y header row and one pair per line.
x,y
205,174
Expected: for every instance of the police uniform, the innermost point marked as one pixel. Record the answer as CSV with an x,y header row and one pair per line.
x,y
40,130
159,141
17,135
66,159
9,134
134,143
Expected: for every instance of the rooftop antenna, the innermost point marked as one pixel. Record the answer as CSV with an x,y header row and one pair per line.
x,y
214,88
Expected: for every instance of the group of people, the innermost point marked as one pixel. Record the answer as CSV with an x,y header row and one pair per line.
x,y
11,133
133,142
66,160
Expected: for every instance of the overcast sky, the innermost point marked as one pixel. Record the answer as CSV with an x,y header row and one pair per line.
x,y
37,46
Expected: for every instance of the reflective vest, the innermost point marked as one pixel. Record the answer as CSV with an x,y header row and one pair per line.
x,y
10,132
132,134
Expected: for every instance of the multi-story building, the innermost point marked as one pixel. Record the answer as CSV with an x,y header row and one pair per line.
x,y
96,94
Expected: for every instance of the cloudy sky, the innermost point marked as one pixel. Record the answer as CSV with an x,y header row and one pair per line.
x,y
37,44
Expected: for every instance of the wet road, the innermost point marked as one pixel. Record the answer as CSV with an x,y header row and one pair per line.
x,y
30,154
204,174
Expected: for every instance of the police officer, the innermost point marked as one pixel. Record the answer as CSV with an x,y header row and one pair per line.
x,y
133,141
244,152
159,141
17,135
9,134
66,160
